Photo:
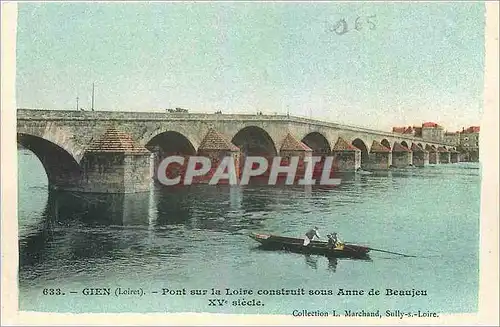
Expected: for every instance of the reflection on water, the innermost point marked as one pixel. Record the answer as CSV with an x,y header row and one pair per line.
x,y
222,208
332,264
311,261
88,226
198,236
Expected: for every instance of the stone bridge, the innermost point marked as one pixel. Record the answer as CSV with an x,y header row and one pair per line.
x,y
111,152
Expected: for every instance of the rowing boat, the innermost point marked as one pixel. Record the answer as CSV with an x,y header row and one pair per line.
x,y
343,250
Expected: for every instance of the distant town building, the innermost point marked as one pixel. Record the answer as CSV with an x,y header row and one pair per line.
x,y
404,130
452,138
469,143
466,141
433,132
418,131
428,131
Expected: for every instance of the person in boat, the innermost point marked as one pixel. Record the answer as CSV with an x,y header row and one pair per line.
x,y
310,235
333,240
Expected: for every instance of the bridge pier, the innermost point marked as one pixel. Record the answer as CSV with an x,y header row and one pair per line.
x,y
433,158
114,164
216,146
346,157
291,147
433,155
401,156
420,156
115,173
454,156
444,155
379,158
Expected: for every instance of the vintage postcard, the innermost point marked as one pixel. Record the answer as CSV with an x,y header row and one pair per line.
x,y
264,163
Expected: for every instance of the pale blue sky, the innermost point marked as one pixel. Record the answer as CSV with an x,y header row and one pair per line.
x,y
422,62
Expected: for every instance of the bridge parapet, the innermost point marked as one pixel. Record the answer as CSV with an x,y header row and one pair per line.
x,y
126,116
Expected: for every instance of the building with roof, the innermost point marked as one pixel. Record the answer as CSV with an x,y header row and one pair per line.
x,y
429,131
452,138
409,130
399,130
432,131
418,131
469,143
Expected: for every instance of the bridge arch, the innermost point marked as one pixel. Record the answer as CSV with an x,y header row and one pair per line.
x,y
57,135
430,147
318,143
420,145
360,144
386,143
60,166
403,143
254,141
171,143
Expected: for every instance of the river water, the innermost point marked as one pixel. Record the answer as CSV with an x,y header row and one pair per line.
x,y
196,238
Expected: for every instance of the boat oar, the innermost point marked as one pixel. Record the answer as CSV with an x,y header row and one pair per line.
x,y
404,255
